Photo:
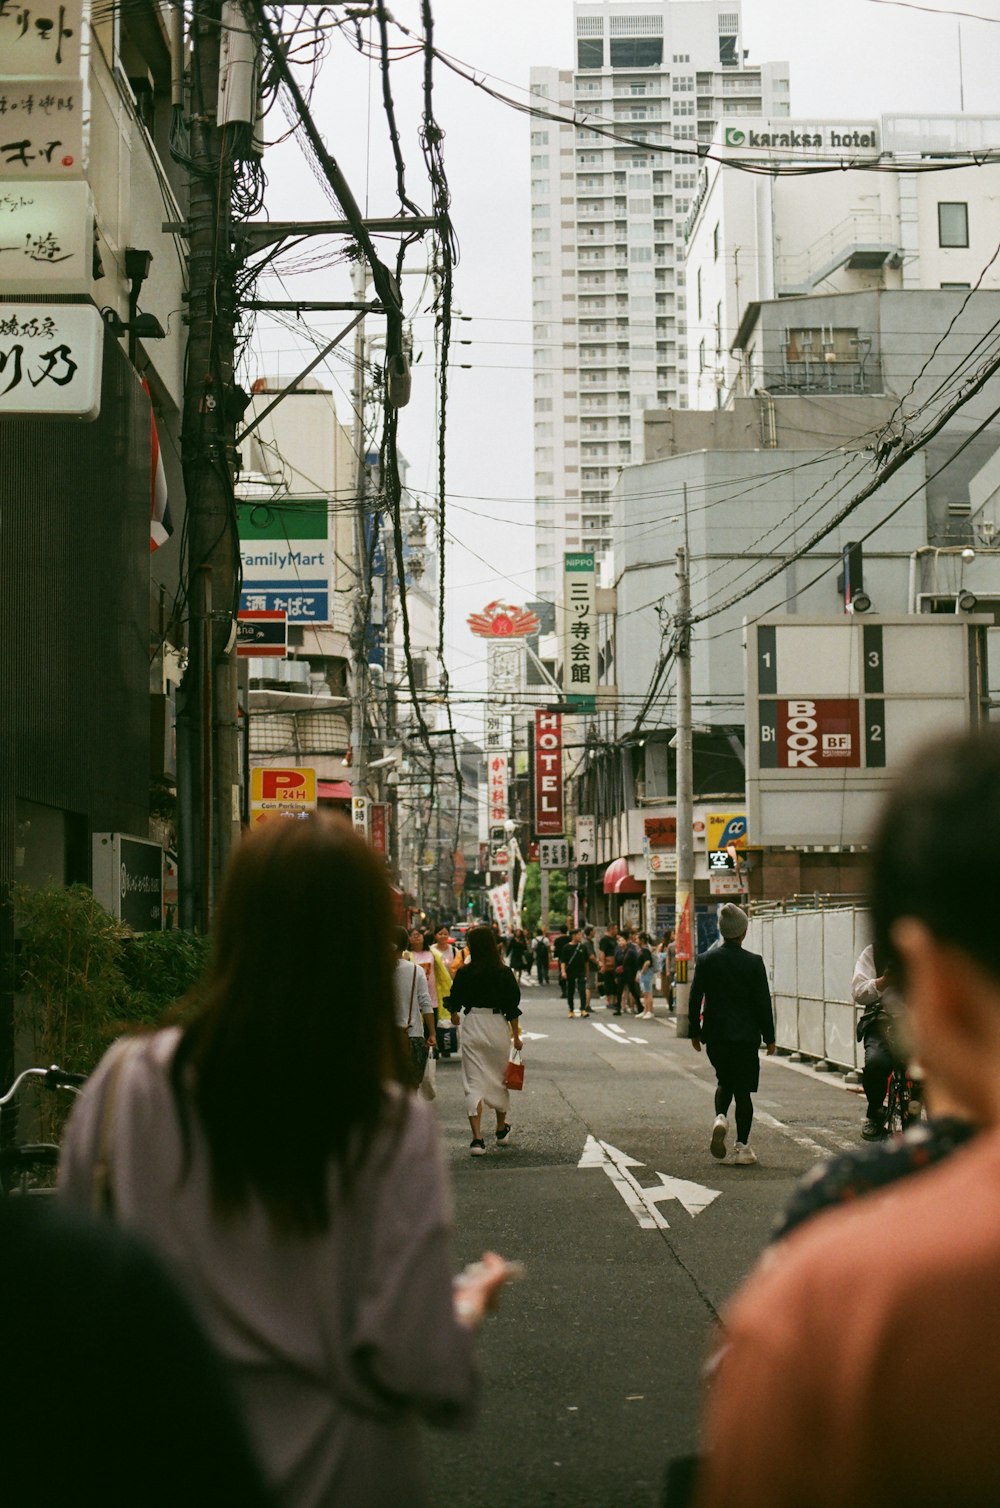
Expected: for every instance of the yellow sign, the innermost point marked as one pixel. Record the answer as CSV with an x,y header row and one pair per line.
x,y
281,793
725,828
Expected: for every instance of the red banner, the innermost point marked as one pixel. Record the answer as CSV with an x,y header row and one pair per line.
x,y
548,774
380,825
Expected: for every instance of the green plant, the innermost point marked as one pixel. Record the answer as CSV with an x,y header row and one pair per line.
x,y
532,907
84,979
70,982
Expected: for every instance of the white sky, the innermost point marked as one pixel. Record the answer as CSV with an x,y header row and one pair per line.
x,y
848,58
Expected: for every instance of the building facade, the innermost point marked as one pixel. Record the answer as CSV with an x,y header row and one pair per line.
x,y
753,236
608,297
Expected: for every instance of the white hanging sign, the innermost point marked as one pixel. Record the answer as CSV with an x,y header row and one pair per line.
x,y
41,40
50,361
46,237
41,129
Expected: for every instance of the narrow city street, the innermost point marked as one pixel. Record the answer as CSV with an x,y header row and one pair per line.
x,y
632,1238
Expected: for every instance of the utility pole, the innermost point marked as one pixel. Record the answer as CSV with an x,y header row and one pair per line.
x,y
208,733
684,949
359,700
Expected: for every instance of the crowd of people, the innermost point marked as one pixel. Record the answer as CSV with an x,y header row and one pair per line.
x,y
278,1232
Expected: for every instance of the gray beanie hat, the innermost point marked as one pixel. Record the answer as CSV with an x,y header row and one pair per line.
x,y
733,920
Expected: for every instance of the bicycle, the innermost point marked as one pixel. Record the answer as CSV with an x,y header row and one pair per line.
x,y
27,1167
903,1103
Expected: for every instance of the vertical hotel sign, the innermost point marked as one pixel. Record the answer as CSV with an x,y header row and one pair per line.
x,y
580,630
548,774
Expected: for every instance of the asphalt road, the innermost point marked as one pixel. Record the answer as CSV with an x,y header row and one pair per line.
x,y
591,1368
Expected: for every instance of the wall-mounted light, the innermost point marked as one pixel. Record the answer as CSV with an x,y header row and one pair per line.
x,y
860,603
966,602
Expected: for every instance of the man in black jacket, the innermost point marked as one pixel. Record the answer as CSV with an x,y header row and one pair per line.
x,y
731,1013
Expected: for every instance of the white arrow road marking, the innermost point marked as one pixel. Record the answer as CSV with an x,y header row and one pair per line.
x,y
612,1032
643,1202
534,1036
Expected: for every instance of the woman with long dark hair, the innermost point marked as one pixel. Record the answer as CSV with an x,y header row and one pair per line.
x,y
295,1189
489,997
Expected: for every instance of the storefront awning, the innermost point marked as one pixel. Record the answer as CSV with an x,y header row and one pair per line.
x,y
618,881
333,790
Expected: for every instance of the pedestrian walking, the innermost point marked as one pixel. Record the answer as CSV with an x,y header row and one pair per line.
x,y
542,957
606,977
518,954
591,947
646,974
559,943
731,1014
304,1210
626,971
910,1271
416,1017
574,971
489,998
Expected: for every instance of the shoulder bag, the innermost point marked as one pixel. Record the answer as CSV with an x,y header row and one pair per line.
x,y
416,1047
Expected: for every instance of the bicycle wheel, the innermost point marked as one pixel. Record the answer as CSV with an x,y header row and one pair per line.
x,y
897,1108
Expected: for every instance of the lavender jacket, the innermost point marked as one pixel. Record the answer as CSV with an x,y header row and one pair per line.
x,y
337,1344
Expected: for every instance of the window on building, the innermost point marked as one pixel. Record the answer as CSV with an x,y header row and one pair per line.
x,y
683,106
683,85
956,287
715,244
636,52
589,52
539,138
698,291
701,356
682,57
953,224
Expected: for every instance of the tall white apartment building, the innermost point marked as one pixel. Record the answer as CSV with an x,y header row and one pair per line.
x,y
608,302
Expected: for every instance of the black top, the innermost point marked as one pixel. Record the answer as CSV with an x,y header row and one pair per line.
x,y
843,1179
480,986
731,997
627,959
607,946
143,1411
575,958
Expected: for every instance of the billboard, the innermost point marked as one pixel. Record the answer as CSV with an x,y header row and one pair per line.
x,y
580,629
835,705
288,559
548,773
50,361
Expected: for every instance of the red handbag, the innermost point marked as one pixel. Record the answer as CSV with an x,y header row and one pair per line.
x,y
514,1075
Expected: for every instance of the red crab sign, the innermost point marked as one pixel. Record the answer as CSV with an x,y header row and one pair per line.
x,y
498,620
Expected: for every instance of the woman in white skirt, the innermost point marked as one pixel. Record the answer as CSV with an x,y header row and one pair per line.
x,y
489,997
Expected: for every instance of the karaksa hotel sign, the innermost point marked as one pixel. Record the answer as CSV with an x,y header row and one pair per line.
x,y
849,140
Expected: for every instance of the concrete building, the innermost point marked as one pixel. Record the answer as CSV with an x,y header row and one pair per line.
x,y
753,236
85,607
747,486
608,300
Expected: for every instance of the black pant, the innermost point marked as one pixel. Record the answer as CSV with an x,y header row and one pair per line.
x,y
875,1075
543,971
627,986
576,984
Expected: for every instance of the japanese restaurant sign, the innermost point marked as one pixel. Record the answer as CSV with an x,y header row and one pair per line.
x,y
42,41
496,787
548,774
41,128
50,361
46,237
580,631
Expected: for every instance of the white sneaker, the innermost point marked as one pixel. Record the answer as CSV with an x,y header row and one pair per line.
x,y
720,1130
744,1156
